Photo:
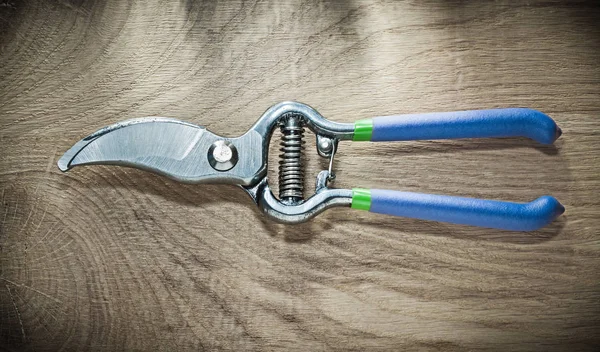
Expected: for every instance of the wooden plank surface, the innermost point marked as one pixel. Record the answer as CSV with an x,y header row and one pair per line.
x,y
109,258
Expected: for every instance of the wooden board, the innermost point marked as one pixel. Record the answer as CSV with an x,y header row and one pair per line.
x,y
109,258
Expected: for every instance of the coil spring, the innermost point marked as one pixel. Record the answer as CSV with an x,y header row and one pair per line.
x,y
291,174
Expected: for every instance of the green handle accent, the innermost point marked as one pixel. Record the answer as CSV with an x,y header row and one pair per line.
x,y
363,130
361,199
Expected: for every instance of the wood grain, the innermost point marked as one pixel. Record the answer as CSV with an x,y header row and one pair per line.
x,y
108,258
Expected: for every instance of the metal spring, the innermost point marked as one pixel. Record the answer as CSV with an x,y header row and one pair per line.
x,y
291,174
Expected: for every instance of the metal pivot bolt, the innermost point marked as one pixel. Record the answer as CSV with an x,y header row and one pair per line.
x,y
222,155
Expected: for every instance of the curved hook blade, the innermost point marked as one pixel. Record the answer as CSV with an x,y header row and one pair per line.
x,y
156,144
165,146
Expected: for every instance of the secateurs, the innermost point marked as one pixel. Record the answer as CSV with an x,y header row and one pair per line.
x,y
190,153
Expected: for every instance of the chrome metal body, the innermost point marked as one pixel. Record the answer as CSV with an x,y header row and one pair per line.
x,y
192,154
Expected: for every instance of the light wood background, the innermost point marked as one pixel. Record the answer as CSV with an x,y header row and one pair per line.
x,y
109,258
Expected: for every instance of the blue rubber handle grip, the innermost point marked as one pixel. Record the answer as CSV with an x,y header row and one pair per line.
x,y
467,211
512,122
